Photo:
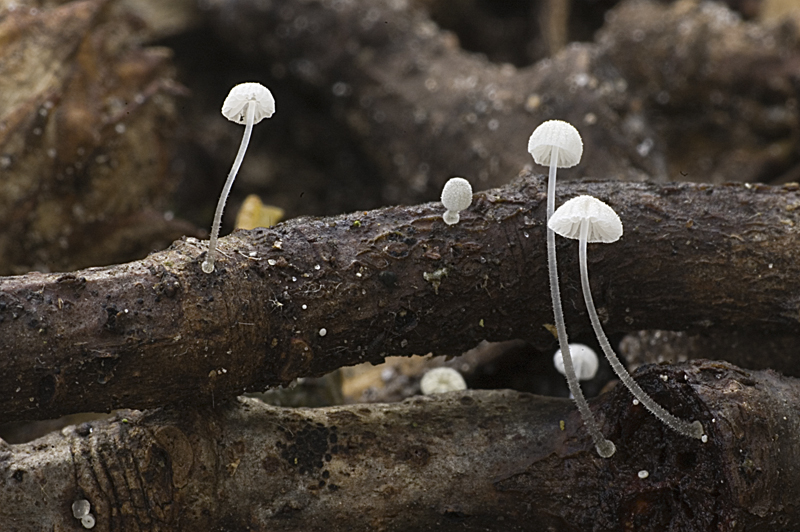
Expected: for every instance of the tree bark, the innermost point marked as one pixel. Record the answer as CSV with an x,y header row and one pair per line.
x,y
472,460
314,294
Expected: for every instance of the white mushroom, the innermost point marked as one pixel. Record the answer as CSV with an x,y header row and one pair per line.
x,y
588,219
441,380
558,144
88,521
456,196
248,104
584,360
80,508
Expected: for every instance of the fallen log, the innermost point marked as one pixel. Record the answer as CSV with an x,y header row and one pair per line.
x,y
315,294
472,460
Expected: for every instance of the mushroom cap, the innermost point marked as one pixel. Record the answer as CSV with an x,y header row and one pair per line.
x,y
560,134
441,380
88,521
456,194
244,93
604,224
583,358
80,508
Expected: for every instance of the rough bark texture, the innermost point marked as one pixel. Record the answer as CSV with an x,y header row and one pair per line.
x,y
395,281
496,460
683,90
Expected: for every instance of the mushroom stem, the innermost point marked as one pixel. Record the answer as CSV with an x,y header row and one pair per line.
x,y
605,448
208,264
691,430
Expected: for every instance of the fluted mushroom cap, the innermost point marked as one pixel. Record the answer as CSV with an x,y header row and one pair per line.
x,y
442,380
604,224
240,95
556,133
584,359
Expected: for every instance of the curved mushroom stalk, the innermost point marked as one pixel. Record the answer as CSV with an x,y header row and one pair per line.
x,y
558,144
590,220
251,103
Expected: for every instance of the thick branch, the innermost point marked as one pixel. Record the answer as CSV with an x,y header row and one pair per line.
x,y
462,461
392,281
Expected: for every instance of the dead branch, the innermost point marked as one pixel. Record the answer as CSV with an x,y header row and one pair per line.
x,y
461,461
314,294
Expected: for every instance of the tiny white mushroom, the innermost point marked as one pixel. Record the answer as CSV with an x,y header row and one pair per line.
x,y
584,359
557,144
88,521
588,219
441,380
80,508
456,196
248,104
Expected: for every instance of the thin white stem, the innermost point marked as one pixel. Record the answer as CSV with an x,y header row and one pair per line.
x,y
605,448
691,430
250,116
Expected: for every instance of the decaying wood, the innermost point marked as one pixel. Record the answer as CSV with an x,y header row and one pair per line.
x,y
72,180
719,92
85,118
314,294
474,460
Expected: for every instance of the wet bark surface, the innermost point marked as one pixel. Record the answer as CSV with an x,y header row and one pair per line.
x,y
314,294
472,460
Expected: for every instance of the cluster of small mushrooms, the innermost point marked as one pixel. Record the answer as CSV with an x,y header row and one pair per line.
x,y
586,219
80,511
555,144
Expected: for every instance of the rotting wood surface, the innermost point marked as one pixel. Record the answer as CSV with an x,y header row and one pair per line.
x,y
473,460
395,281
